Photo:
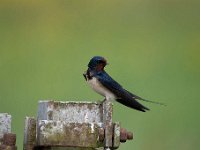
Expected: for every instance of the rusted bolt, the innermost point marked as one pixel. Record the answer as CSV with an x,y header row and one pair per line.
x,y
7,147
125,135
101,134
2,147
30,147
9,139
129,135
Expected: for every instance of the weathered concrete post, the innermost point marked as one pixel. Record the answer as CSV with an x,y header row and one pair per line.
x,y
73,126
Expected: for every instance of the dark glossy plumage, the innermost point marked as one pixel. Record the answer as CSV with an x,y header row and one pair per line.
x,y
95,61
124,97
96,70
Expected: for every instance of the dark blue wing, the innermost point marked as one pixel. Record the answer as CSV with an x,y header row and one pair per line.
x,y
124,97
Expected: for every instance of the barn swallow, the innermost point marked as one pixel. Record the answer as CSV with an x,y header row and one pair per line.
x,y
106,86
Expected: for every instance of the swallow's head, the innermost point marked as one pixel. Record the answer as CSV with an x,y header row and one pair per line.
x,y
97,63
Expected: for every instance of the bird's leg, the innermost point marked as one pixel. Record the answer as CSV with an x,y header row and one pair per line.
x,y
104,100
101,101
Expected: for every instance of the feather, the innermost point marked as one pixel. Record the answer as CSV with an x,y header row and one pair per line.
x,y
124,97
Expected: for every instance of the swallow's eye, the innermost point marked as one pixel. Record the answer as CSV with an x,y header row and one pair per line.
x,y
101,61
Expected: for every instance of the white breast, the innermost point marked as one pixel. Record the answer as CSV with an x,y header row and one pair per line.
x,y
99,88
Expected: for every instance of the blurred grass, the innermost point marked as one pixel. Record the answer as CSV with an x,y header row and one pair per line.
x,y
152,48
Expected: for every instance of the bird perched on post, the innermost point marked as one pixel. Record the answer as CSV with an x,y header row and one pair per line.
x,y
103,84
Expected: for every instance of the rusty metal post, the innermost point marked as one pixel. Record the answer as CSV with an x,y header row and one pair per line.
x,y
73,126
60,124
107,122
29,133
5,125
7,139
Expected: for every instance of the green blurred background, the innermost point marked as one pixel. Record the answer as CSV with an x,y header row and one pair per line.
x,y
152,47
